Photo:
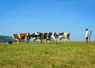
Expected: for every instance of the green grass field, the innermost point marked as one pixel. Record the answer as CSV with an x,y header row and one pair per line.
x,y
47,55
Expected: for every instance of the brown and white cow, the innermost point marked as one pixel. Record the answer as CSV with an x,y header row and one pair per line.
x,y
65,35
22,36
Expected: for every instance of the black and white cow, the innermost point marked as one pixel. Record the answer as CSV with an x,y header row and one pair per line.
x,y
45,36
51,36
37,35
64,36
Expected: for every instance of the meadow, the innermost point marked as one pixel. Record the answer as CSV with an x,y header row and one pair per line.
x,y
47,55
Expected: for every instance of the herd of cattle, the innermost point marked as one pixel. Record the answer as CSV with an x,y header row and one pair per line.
x,y
50,36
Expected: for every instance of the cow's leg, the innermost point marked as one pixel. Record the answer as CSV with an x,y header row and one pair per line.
x,y
46,40
26,40
49,40
69,39
35,39
54,39
41,40
66,40
60,39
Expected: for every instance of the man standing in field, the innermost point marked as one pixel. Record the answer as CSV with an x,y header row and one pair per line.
x,y
87,35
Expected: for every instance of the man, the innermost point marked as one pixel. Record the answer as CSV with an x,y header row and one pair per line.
x,y
87,35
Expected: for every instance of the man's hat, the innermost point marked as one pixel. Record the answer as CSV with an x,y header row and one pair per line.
x,y
86,29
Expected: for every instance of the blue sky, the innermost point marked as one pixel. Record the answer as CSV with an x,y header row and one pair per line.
x,y
17,16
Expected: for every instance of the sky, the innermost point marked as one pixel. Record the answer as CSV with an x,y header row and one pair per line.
x,y
74,16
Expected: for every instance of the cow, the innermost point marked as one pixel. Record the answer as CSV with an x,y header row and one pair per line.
x,y
44,36
22,36
37,35
63,35
50,36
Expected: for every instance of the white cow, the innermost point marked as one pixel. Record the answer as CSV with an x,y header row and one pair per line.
x,y
65,35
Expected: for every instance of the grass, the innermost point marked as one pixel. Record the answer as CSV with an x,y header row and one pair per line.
x,y
47,55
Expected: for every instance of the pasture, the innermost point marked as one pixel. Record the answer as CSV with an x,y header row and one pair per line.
x,y
47,55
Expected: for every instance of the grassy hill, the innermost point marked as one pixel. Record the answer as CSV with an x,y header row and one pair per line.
x,y
5,38
47,55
